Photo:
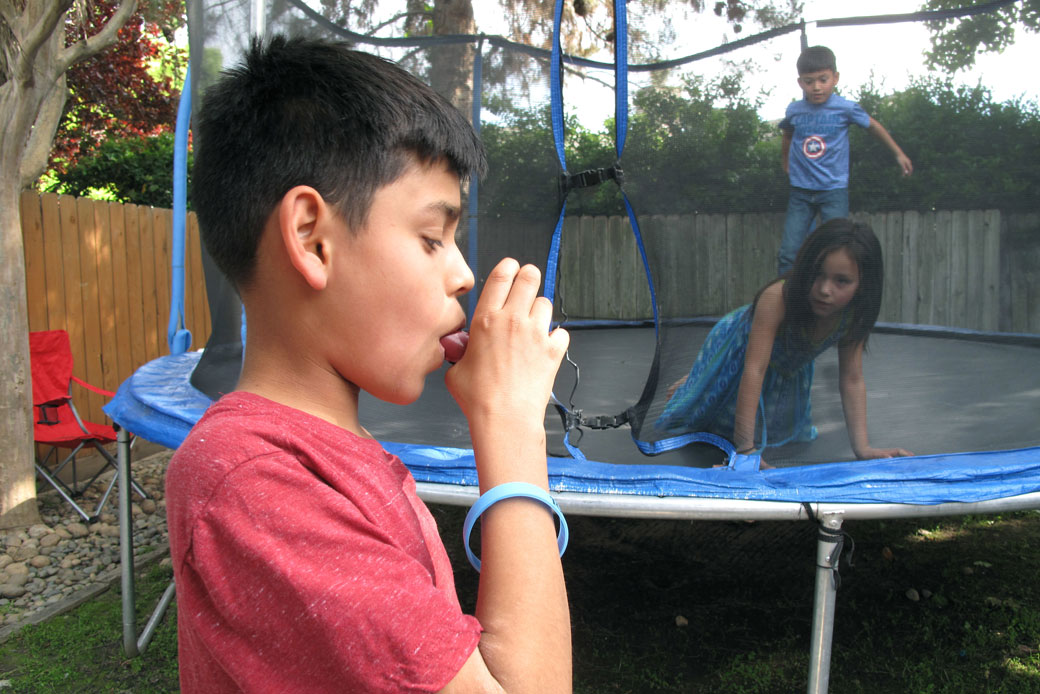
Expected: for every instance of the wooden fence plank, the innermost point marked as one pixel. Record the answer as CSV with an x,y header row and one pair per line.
x,y
693,282
135,285
910,278
892,302
54,259
148,297
30,207
679,273
942,268
959,280
974,289
596,268
713,228
612,278
734,251
70,249
90,246
120,291
195,284
990,304
1022,252
575,300
163,228
921,227
106,299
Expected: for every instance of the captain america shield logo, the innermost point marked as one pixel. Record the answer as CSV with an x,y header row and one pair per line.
x,y
814,147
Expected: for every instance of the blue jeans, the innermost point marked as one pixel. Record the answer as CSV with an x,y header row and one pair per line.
x,y
802,208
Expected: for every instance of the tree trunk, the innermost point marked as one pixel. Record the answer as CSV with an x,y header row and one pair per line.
x,y
33,61
451,66
18,105
17,476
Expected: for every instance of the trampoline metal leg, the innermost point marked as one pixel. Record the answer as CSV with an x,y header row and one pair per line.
x,y
132,644
828,552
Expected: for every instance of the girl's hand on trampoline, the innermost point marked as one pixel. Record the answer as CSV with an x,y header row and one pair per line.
x,y
506,375
871,453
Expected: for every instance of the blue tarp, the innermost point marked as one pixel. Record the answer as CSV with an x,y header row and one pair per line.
x,y
159,404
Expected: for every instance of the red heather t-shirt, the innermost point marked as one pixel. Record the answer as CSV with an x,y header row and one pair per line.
x,y
305,562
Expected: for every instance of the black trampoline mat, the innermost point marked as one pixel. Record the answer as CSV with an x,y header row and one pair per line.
x,y
926,394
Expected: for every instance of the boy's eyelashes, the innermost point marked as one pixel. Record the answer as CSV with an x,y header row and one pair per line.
x,y
433,242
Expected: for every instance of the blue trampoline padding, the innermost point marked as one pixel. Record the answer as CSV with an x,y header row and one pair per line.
x,y
159,404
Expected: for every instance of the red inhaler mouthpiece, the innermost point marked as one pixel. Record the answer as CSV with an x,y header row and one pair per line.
x,y
454,346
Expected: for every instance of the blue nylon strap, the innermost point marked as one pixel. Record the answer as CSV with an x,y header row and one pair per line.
x,y
556,108
736,461
674,442
556,86
474,184
620,75
178,338
552,263
646,262
575,452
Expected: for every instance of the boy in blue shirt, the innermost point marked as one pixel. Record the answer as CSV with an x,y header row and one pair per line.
x,y
815,150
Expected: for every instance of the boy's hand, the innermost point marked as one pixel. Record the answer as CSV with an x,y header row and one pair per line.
x,y
505,378
905,164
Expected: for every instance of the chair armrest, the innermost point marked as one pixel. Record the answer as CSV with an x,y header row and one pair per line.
x,y
86,385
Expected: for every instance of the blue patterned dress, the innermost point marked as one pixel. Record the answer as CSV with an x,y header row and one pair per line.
x,y
707,401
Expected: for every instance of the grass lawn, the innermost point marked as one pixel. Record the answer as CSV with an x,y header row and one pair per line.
x,y
929,606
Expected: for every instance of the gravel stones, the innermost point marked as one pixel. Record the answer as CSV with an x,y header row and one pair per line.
x,y
53,559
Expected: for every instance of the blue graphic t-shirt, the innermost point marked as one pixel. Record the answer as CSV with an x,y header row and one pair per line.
x,y
819,156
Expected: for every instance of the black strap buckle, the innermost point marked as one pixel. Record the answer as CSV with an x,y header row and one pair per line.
x,y
576,420
591,177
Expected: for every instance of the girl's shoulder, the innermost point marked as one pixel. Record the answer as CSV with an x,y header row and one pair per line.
x,y
769,304
771,294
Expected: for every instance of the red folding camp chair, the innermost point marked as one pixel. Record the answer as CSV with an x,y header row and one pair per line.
x,y
58,424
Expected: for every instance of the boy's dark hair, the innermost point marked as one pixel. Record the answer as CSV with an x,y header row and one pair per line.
x,y
861,243
301,111
815,59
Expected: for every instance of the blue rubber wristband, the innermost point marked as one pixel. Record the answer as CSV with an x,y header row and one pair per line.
x,y
507,491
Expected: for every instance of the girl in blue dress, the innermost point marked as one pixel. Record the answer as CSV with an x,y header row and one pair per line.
x,y
755,368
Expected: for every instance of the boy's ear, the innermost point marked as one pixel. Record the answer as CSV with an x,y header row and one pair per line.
x,y
301,216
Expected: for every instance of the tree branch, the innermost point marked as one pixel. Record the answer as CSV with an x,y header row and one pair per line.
x,y
40,32
8,12
38,147
401,15
99,41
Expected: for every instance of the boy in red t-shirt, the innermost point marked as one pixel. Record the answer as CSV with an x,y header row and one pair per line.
x,y
326,184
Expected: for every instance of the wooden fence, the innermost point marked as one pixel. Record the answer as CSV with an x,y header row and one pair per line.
x,y
977,269
101,271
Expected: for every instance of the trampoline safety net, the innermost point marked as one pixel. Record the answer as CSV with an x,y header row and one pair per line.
x,y
635,157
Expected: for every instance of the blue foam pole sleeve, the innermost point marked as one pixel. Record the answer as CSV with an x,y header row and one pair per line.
x,y
177,336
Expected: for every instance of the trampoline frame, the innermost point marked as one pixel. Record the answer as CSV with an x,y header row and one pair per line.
x,y
828,515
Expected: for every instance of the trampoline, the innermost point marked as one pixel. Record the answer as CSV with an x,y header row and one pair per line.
x,y
977,408
965,402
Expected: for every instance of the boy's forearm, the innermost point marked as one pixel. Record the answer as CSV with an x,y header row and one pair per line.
x,y
522,598
502,384
879,131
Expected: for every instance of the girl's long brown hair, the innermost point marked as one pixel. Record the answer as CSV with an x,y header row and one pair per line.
x,y
859,240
